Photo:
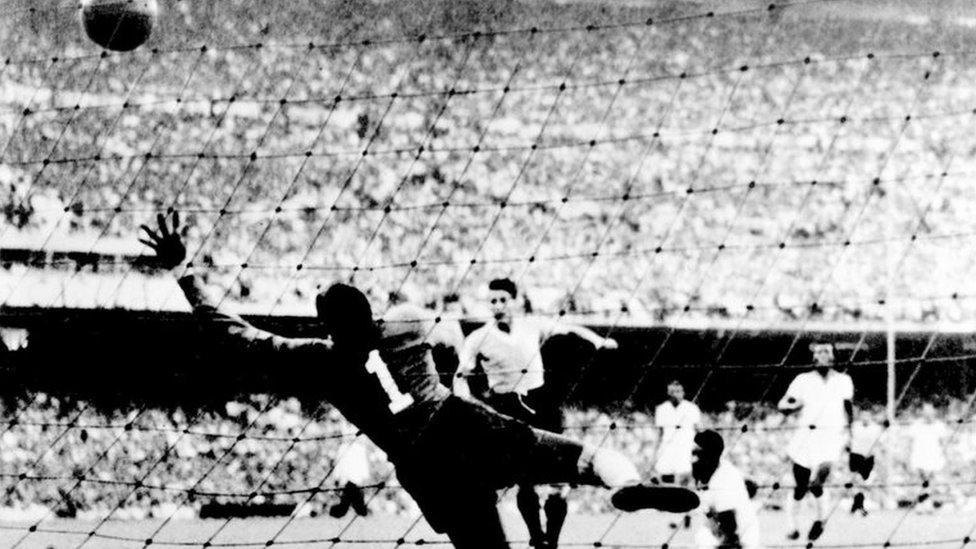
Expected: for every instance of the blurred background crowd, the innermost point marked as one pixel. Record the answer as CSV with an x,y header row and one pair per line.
x,y
82,462
770,164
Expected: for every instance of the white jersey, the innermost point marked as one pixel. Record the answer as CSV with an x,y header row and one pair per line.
x,y
512,360
820,433
926,438
678,425
726,491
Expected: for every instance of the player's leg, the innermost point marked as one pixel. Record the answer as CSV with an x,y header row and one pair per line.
x,y
357,500
924,503
549,417
556,510
340,509
801,483
684,479
555,459
527,501
474,523
861,467
466,511
819,494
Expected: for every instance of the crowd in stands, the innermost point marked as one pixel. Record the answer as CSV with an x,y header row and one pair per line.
x,y
760,165
66,458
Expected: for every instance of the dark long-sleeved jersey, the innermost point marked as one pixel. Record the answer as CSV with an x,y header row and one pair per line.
x,y
391,400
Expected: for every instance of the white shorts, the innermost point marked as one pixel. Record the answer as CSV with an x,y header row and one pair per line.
x,y
673,462
811,448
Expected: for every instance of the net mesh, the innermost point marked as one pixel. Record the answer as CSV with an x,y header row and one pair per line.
x,y
748,163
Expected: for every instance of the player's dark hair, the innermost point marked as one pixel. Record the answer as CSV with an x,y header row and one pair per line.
x,y
818,341
504,285
348,316
711,443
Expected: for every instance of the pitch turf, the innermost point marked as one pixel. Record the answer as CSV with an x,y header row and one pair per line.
x,y
643,529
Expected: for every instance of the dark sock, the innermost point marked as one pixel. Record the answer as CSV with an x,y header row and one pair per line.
x,y
528,506
556,510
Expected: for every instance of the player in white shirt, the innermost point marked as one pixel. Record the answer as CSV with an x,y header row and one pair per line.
x,y
823,400
677,421
509,350
731,520
927,457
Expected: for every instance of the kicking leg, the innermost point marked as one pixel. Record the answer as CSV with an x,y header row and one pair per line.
x,y
556,459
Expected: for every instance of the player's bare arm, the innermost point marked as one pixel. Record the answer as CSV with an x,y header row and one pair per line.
x,y
586,334
167,242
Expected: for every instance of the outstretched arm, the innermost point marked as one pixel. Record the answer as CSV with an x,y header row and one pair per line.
x,y
171,253
559,328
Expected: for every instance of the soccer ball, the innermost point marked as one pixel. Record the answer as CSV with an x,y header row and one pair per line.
x,y
119,25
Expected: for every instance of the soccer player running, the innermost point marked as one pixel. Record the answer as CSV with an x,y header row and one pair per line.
x,y
823,400
450,454
509,350
730,513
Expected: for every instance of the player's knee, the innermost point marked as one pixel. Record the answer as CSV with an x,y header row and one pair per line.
x,y
611,468
817,490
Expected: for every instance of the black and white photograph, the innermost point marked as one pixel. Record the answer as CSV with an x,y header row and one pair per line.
x,y
487,274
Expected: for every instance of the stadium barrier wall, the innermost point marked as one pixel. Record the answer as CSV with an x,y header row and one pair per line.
x,y
115,357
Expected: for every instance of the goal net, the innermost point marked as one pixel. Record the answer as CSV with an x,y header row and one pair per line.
x,y
750,171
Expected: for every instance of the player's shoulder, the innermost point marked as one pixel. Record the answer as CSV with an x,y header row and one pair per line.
x,y
478,334
801,381
689,406
805,376
841,379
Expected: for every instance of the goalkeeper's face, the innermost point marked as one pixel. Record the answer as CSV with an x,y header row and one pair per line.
x,y
347,317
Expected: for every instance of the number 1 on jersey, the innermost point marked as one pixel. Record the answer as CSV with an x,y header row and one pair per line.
x,y
398,401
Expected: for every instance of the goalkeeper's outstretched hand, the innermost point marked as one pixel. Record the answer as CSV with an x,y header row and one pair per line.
x,y
167,242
